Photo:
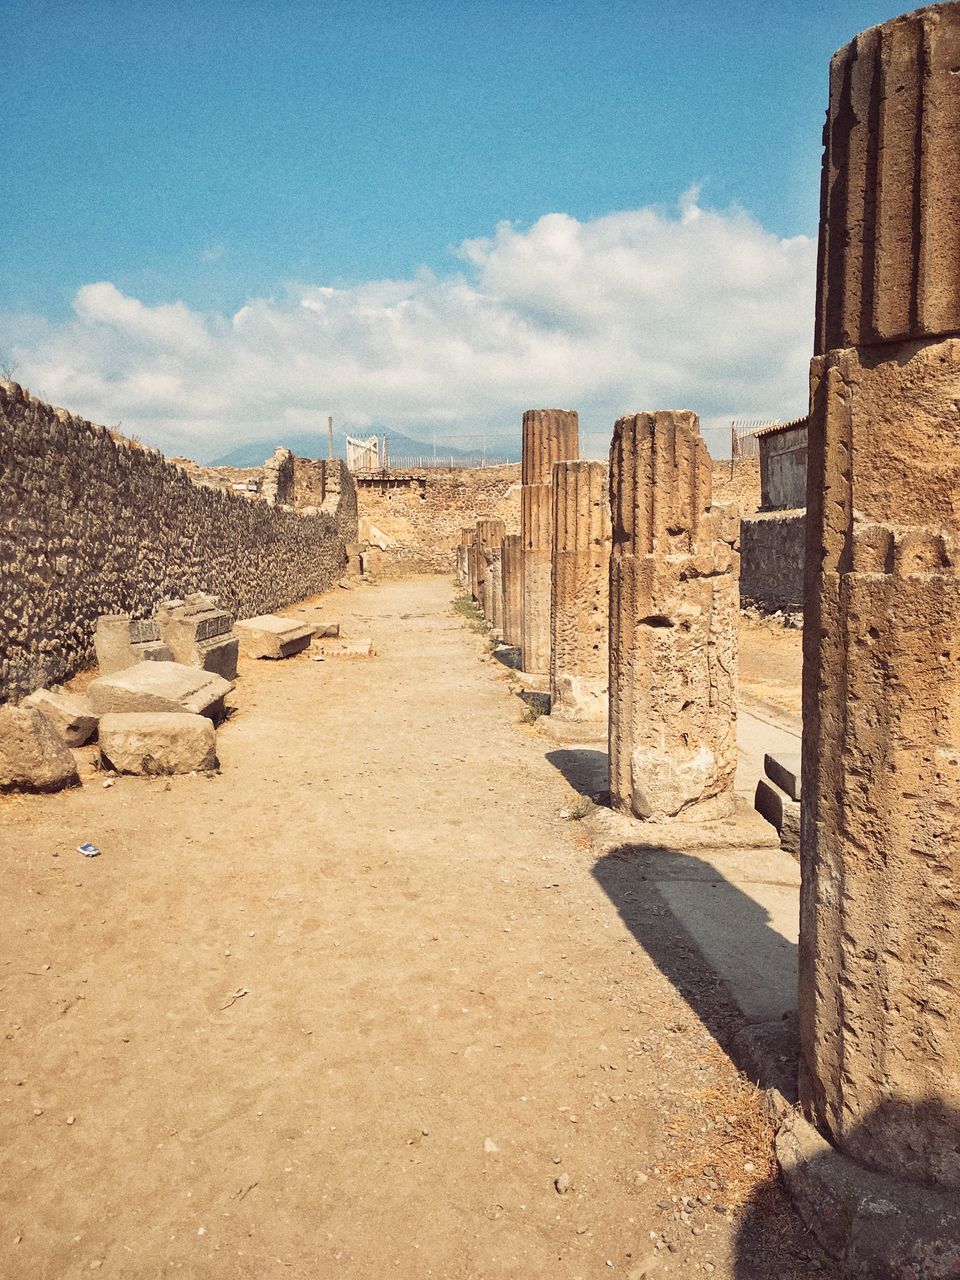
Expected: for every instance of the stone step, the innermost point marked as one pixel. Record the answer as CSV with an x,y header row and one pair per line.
x,y
784,770
782,812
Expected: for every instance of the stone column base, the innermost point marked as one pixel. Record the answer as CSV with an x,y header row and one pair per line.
x,y
875,1226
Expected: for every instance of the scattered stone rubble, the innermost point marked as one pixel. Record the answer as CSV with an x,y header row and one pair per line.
x,y
33,756
157,742
71,714
272,636
199,633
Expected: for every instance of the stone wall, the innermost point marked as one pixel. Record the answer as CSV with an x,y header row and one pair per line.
x,y
417,521
737,480
92,523
771,560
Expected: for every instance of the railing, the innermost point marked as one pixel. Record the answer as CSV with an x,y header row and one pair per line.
x,y
427,461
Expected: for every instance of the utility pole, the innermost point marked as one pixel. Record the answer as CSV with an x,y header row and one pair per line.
x,y
330,438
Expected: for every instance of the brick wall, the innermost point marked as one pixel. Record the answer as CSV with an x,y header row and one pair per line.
x,y
91,523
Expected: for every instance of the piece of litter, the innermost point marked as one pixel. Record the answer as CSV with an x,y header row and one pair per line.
x,y
109,783
237,995
88,850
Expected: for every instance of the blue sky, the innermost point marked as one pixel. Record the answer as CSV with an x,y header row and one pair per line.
x,y
211,159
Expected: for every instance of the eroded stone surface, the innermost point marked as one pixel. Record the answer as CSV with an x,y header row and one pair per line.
x,y
580,592
880,970
489,536
33,756
160,686
121,642
511,573
890,234
272,636
549,436
158,742
199,634
673,624
71,714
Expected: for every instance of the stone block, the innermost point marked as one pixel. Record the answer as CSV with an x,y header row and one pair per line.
x,y
121,642
362,648
785,770
272,636
160,686
199,633
158,742
33,756
781,812
71,714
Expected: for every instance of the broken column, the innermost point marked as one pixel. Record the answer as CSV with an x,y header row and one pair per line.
x,y
511,570
549,436
879,950
673,624
580,592
490,534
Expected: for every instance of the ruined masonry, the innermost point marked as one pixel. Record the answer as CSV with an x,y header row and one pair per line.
x,y
673,624
580,592
549,436
879,950
490,535
511,566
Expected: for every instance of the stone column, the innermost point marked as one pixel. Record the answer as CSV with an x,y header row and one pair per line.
x,y
511,561
473,567
490,534
580,592
673,624
880,825
549,436
463,566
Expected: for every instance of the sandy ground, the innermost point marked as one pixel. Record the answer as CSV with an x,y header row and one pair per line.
x,y
771,661
349,1007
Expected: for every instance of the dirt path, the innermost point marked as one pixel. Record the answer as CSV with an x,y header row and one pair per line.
x,y
351,1006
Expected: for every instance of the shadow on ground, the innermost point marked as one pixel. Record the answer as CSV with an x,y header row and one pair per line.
x,y
585,769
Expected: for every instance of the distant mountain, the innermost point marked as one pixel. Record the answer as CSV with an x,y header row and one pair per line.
x,y
313,444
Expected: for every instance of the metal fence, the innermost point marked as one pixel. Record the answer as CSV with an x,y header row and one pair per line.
x,y
427,461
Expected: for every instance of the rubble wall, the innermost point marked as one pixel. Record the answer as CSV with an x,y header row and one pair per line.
x,y
737,480
421,521
92,523
771,560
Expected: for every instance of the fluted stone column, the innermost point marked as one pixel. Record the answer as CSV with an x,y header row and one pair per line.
x,y
579,604
490,534
473,569
673,624
511,562
463,566
549,436
880,904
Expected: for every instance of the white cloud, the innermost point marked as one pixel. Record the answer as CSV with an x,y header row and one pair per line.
x,y
701,309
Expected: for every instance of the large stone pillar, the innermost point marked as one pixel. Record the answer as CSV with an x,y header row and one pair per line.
x,y
511,564
580,593
880,904
549,436
490,534
673,624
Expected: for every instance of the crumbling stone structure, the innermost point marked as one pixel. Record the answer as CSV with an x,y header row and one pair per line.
x,y
511,569
490,534
580,592
93,524
549,436
879,935
673,624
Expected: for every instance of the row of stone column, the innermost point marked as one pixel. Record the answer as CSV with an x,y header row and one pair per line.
x,y
621,590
